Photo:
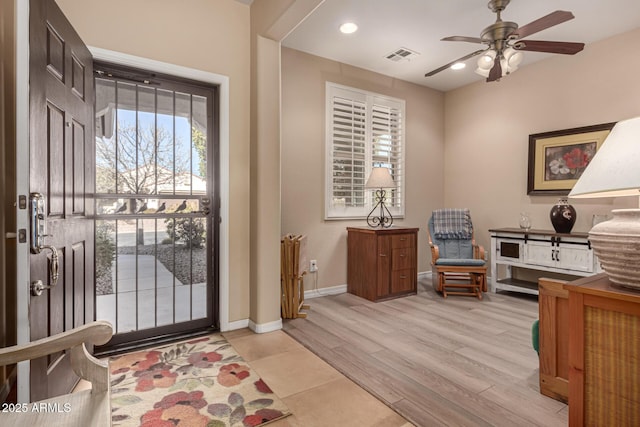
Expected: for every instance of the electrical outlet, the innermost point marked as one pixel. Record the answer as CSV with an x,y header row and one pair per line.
x,y
313,265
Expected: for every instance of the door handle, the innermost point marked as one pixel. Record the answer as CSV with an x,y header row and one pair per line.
x,y
38,233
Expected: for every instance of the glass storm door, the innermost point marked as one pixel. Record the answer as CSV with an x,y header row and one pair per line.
x,y
156,204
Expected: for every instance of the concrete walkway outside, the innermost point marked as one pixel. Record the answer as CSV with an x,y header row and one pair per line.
x,y
161,299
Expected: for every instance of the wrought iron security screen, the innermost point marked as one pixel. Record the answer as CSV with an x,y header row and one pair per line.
x,y
156,185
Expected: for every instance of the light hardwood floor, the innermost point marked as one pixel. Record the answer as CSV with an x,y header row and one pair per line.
x,y
452,362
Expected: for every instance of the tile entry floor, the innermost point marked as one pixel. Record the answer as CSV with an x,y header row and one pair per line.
x,y
316,394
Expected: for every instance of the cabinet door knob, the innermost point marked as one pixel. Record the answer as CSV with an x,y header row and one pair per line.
x,y
383,254
403,277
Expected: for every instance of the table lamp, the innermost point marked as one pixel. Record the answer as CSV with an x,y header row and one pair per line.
x,y
614,171
380,179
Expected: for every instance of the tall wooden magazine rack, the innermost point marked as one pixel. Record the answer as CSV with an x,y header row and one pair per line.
x,y
293,259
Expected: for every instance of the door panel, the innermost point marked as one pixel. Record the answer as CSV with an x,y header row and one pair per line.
x,y
61,169
575,257
539,253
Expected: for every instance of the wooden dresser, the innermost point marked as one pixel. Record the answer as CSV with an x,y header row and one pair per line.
x,y
382,263
604,353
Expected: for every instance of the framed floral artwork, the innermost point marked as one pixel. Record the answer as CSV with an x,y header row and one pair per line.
x,y
557,159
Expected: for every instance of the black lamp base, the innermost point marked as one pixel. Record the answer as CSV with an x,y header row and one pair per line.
x,y
382,220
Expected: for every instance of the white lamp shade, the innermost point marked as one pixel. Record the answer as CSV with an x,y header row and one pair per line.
x,y
380,178
615,169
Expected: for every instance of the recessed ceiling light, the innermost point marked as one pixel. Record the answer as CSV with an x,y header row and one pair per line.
x,y
458,66
348,28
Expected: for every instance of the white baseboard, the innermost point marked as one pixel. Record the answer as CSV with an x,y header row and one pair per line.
x,y
255,327
238,324
322,292
262,328
308,294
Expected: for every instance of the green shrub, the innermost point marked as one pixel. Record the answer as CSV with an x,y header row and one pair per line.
x,y
105,252
191,232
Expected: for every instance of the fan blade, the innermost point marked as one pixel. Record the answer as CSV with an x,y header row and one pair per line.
x,y
565,48
554,18
462,39
496,71
464,58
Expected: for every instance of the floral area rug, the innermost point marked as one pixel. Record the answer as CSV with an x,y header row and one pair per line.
x,y
197,383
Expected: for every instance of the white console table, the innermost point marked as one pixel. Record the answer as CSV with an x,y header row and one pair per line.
x,y
541,251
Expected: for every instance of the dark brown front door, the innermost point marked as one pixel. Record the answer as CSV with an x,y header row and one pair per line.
x,y
61,170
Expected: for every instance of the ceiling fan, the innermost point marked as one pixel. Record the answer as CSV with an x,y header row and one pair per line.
x,y
504,40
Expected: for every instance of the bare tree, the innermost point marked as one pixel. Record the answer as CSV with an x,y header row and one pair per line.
x,y
139,161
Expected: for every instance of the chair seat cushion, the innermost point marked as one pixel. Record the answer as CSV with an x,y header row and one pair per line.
x,y
462,262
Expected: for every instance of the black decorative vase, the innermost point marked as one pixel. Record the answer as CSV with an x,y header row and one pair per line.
x,y
563,216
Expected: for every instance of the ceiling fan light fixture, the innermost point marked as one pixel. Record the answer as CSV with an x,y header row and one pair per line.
x,y
505,42
348,28
513,57
484,72
485,62
509,62
516,59
458,66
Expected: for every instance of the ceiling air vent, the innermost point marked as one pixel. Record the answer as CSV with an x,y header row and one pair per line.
x,y
401,54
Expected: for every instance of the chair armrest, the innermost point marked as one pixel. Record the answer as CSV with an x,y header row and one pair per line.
x,y
99,332
87,407
435,253
435,250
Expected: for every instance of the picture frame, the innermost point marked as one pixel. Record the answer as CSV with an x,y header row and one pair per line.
x,y
558,158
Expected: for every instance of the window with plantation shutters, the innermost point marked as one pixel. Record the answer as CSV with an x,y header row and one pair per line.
x,y
363,130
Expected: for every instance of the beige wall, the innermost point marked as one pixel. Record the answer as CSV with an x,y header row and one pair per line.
x,y
208,35
265,182
270,23
488,124
482,165
303,152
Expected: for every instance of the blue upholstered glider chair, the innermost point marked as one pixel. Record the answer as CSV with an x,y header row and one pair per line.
x,y
457,262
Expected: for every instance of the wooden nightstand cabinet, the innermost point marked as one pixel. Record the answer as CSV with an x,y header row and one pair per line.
x,y
382,263
553,303
604,353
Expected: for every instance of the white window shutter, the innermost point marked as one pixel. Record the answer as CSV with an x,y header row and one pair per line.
x,y
386,134
363,130
348,152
